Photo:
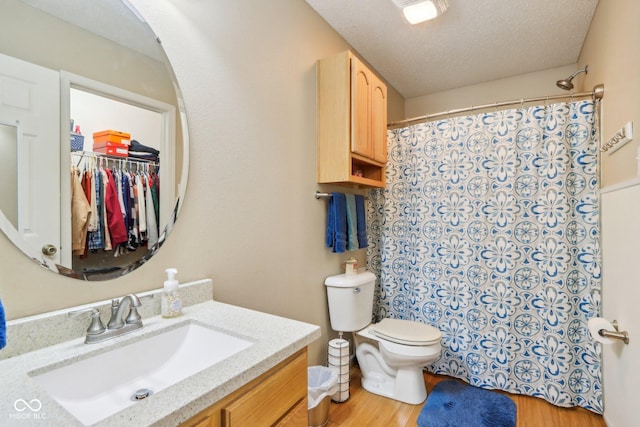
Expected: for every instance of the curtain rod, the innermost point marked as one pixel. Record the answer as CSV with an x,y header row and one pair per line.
x,y
597,94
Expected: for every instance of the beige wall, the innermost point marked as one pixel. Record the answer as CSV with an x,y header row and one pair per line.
x,y
250,220
531,85
611,50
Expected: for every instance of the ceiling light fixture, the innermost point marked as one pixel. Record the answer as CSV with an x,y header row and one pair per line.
x,y
417,11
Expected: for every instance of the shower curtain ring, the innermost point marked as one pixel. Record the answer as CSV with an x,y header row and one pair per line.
x,y
521,103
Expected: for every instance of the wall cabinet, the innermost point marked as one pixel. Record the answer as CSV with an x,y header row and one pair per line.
x,y
264,401
352,122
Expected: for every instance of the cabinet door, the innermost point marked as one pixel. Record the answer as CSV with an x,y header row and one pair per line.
x,y
378,120
206,422
360,108
273,398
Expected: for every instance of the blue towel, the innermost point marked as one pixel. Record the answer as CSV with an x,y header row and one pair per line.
x,y
352,234
3,328
337,223
330,223
361,215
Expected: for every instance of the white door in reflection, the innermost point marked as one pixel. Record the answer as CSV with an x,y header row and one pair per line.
x,y
9,173
30,98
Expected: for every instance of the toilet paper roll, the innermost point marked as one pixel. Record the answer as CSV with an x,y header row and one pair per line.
x,y
595,325
338,352
339,347
341,369
341,395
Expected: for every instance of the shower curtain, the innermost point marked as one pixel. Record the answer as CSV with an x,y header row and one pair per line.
x,y
488,230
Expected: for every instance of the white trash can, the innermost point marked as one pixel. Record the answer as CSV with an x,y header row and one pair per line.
x,y
322,383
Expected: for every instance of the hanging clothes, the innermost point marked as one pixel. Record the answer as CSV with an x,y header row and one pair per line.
x,y
87,184
96,236
123,202
80,214
152,227
132,242
135,209
93,224
155,196
105,218
115,220
142,206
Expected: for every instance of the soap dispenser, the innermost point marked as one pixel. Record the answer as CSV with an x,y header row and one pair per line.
x,y
351,266
171,304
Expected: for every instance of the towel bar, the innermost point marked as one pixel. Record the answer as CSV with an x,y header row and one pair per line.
x,y
320,195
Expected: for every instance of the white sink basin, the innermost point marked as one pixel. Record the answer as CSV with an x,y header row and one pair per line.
x,y
97,387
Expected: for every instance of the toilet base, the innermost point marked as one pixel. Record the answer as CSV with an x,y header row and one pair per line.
x,y
405,384
408,391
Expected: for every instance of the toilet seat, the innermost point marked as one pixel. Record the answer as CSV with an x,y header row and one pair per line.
x,y
407,352
406,332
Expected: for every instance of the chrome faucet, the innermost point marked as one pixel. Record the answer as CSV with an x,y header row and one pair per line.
x,y
118,324
117,312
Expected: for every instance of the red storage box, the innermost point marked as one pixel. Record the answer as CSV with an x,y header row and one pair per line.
x,y
112,136
111,149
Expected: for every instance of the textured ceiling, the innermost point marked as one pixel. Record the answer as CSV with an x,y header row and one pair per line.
x,y
473,42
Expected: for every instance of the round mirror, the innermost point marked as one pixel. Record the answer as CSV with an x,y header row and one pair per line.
x,y
93,140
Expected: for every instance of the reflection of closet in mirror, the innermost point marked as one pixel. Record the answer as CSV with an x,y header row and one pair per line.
x,y
134,204
95,113
9,172
100,49
95,107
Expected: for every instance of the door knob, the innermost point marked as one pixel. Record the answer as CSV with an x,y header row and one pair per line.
x,y
49,250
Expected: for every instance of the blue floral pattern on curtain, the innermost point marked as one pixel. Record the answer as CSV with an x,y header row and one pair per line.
x,y
488,230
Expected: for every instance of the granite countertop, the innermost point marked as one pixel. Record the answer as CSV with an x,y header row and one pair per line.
x,y
275,338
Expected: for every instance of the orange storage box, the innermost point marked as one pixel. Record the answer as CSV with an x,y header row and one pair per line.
x,y
112,136
111,149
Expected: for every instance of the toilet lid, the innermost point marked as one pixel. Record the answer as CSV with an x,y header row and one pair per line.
x,y
406,332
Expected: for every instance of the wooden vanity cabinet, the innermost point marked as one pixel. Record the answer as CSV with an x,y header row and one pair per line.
x,y
352,122
266,400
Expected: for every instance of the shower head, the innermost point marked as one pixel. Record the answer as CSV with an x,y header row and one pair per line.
x,y
566,83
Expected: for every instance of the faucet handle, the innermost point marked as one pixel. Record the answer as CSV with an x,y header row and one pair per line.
x,y
96,326
115,303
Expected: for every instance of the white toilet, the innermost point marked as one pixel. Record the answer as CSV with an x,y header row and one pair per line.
x,y
390,353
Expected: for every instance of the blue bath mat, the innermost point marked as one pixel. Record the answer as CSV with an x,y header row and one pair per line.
x,y
453,404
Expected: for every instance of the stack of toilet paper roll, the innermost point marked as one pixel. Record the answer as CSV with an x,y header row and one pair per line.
x,y
339,360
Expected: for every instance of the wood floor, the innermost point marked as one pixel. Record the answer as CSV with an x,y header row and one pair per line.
x,y
367,409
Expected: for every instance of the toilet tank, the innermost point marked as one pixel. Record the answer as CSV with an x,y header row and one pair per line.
x,y
350,300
